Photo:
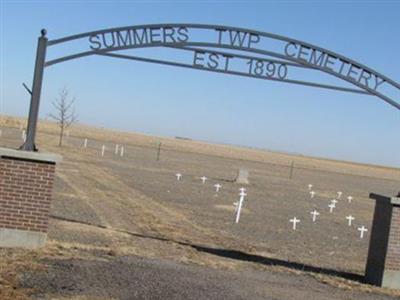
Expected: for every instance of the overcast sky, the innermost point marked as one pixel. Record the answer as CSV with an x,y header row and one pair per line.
x,y
220,108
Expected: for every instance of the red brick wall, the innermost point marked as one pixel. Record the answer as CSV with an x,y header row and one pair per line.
x,y
25,194
393,253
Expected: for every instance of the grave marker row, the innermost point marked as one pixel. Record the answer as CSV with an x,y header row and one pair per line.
x,y
314,214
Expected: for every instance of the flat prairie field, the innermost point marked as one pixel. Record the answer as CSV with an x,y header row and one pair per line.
x,y
124,227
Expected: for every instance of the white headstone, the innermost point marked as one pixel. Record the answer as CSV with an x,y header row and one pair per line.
x,y
339,194
122,151
350,219
85,143
331,207
334,201
203,179
116,149
103,149
294,221
217,187
23,135
178,176
1,132
349,198
312,194
362,229
314,215
310,187
239,206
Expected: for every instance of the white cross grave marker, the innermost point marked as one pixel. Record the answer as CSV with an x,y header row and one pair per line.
x,y
239,206
178,176
310,187
23,135
339,194
349,198
362,229
203,179
103,148
122,151
314,215
242,190
334,201
217,187
294,221
85,143
312,193
331,207
350,219
116,149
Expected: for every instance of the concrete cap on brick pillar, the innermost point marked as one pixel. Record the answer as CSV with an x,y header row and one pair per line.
x,y
30,155
395,201
379,197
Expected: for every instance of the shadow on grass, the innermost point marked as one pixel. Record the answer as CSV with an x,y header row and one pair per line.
x,y
238,255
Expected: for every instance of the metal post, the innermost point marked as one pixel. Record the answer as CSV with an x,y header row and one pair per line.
x,y
158,151
29,144
291,170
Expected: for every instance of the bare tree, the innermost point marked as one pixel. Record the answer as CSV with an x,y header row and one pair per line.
x,y
64,112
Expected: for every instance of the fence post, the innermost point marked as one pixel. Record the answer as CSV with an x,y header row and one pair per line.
x,y
291,170
159,151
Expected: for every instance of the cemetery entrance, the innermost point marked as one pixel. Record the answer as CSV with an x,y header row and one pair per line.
x,y
247,53
221,49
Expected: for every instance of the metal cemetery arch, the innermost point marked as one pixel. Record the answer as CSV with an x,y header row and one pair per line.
x,y
229,50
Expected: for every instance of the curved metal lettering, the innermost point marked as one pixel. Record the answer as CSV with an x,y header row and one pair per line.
x,y
335,64
199,38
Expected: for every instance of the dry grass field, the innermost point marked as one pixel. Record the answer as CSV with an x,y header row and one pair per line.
x,y
125,228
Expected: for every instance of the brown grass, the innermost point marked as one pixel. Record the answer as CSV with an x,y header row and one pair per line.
x,y
12,263
234,152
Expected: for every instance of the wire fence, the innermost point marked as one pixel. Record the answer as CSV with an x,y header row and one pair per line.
x,y
154,150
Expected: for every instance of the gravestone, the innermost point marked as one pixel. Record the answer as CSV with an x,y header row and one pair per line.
x,y
242,177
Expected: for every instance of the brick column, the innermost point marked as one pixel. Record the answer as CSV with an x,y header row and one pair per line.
x,y
26,183
392,266
383,263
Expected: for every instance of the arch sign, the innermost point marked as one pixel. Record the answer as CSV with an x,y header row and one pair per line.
x,y
215,48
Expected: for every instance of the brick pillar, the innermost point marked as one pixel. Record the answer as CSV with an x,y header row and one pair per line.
x,y
26,183
392,267
383,263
